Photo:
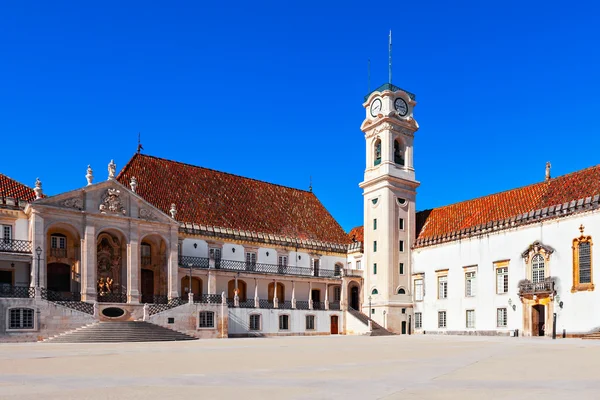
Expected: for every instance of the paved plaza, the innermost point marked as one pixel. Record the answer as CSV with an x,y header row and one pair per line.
x,y
336,367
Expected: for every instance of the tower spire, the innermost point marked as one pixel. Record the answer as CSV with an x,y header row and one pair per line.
x,y
390,58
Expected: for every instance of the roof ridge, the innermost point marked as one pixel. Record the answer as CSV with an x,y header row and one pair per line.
x,y
209,169
510,190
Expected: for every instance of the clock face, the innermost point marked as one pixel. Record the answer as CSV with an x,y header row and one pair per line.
x,y
401,106
375,107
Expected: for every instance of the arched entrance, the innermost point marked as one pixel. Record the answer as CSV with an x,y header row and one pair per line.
x,y
280,291
59,277
153,263
111,251
241,287
354,297
196,287
538,320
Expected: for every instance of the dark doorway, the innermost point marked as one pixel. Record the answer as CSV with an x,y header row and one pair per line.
x,y
354,298
59,277
147,286
6,277
538,320
334,325
316,298
404,327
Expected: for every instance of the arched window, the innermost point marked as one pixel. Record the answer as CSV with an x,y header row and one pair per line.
x,y
398,153
582,263
377,152
374,291
537,268
241,289
401,291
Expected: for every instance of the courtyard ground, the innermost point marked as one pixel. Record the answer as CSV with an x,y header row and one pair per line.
x,y
336,367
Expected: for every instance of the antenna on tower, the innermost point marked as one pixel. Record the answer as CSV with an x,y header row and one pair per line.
x,y
369,76
140,147
390,56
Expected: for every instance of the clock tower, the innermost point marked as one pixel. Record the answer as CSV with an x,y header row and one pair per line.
x,y
389,192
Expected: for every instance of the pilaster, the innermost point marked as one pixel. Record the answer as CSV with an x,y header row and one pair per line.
x,y
133,269
88,271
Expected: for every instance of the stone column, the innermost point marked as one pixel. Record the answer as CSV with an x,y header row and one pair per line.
x,y
38,239
327,296
173,268
310,303
344,295
133,269
88,258
212,282
293,295
275,299
256,299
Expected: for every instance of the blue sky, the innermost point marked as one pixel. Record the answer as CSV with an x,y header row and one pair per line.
x,y
274,90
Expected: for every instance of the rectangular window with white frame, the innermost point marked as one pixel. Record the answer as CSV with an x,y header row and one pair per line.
x,y
441,319
418,320
215,253
6,233
282,261
470,319
443,287
470,284
284,322
255,322
310,322
502,317
502,280
250,259
358,264
419,289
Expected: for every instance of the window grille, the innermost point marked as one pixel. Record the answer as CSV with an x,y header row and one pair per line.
x,y
585,263
470,284
418,320
501,318
207,319
470,318
21,318
418,289
441,319
502,280
537,270
443,287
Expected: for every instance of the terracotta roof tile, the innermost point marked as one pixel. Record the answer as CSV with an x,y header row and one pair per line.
x,y
356,234
500,206
11,188
208,197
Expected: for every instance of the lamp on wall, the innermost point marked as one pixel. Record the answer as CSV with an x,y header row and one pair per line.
x,y
233,249
12,265
511,305
557,300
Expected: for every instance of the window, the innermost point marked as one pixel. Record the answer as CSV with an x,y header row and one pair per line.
x,y
419,290
206,319
146,254
401,291
501,318
310,322
404,311
250,259
377,152
374,291
21,318
58,242
255,322
441,319
375,269
6,233
401,224
537,268
215,253
337,270
337,293
470,284
502,280
284,322
375,246
358,266
375,224
418,320
398,157
443,287
282,261
582,263
470,318
402,245
401,269
316,263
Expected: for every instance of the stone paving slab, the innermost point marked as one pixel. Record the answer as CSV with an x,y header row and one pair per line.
x,y
336,367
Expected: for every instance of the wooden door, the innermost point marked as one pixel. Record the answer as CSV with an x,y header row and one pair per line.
x,y
334,324
538,320
147,286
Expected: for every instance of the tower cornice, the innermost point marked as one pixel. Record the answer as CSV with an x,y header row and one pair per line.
x,y
391,123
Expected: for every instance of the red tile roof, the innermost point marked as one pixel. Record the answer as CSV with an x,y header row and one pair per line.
x,y
208,197
357,234
504,205
11,188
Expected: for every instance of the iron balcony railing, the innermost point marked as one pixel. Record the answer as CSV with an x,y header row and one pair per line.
x,y
19,292
155,308
334,305
209,298
531,288
71,300
15,246
258,268
112,298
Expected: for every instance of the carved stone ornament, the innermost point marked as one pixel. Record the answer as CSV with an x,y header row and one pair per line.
x,y
537,248
384,127
147,214
74,202
111,202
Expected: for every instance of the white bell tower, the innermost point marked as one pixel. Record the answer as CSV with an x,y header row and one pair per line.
x,y
389,191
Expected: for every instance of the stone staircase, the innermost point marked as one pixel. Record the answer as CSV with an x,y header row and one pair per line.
x,y
126,331
592,336
376,329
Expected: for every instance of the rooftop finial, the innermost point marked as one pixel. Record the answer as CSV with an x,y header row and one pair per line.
x,y
89,176
38,189
112,169
548,166
581,228
133,184
310,185
173,210
140,147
